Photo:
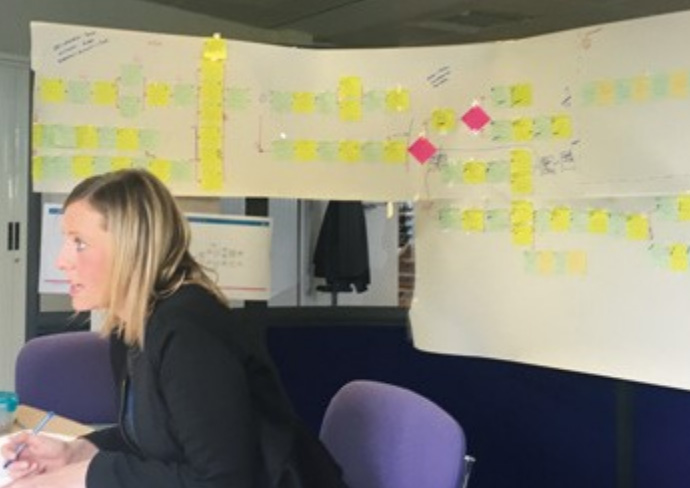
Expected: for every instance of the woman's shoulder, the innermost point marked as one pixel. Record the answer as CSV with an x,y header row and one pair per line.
x,y
191,307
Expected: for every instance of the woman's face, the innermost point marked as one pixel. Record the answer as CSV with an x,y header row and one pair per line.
x,y
86,256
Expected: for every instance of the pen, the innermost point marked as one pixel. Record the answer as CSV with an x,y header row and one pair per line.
x,y
36,430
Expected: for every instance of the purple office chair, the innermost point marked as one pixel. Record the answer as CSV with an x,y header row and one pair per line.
x,y
385,436
70,374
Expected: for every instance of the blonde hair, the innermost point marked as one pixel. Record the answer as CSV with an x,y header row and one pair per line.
x,y
150,239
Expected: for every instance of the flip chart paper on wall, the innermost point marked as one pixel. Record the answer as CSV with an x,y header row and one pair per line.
x,y
601,124
236,249
579,300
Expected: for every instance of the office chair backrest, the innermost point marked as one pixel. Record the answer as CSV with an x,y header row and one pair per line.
x,y
69,373
385,436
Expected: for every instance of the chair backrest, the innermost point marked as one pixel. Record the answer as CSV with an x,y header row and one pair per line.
x,y
69,373
385,436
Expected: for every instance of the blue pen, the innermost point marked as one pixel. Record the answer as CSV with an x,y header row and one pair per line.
x,y
36,430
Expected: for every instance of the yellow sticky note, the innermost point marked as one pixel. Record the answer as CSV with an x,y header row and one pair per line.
x,y
350,110
104,93
546,262
678,84
641,88
637,227
473,220
127,139
398,100
394,151
52,90
350,151
209,136
211,71
678,257
160,168
561,127
215,49
306,150
521,171
522,129
522,236
598,221
211,93
37,168
576,263
560,219
605,92
350,87
211,174
120,162
303,102
443,120
82,166
521,95
211,113
684,208
522,213
158,94
87,137
522,222
474,172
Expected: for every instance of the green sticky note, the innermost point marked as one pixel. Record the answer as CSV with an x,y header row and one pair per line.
x,y
667,207
281,102
588,94
501,130
78,92
372,152
374,100
181,171
325,103
500,96
623,90
183,94
660,85
148,139
328,151
131,75
498,172
107,137
238,98
617,224
129,106
497,220
282,150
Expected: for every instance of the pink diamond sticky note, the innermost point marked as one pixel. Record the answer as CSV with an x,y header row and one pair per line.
x,y
422,149
476,118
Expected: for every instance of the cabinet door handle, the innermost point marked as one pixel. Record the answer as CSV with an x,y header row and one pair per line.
x,y
10,235
16,236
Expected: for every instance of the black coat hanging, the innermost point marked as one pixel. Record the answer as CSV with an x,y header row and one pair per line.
x,y
341,256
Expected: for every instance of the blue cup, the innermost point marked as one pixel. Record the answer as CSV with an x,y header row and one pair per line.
x,y
8,409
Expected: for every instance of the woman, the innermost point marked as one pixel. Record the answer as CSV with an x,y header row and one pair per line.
x,y
201,402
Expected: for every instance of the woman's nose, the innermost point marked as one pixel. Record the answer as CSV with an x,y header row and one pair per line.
x,y
63,261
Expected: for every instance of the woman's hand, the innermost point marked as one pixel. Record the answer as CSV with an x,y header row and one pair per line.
x,y
70,476
44,454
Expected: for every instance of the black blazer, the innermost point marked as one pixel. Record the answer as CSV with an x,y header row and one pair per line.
x,y
208,409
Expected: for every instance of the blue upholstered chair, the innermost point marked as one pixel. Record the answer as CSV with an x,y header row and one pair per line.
x,y
69,373
385,436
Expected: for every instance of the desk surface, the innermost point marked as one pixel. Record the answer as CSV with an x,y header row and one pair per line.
x,y
27,417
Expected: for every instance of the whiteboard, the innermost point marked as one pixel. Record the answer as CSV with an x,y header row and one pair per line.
x,y
235,249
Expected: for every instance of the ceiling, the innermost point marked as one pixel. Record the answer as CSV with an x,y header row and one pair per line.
x,y
380,23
